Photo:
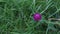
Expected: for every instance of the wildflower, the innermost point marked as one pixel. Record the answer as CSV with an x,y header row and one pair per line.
x,y
37,16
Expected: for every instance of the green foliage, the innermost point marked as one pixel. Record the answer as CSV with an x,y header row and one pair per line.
x,y
16,16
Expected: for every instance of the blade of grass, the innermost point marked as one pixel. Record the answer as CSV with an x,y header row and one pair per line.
x,y
58,10
46,8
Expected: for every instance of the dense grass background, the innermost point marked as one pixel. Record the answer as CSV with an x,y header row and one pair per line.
x,y
16,16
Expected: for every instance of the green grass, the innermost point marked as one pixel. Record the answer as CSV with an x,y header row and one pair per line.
x,y
16,16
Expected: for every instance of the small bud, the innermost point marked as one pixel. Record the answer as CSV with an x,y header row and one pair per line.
x,y
37,16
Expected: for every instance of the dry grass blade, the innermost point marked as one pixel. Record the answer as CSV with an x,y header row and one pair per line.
x,y
54,19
